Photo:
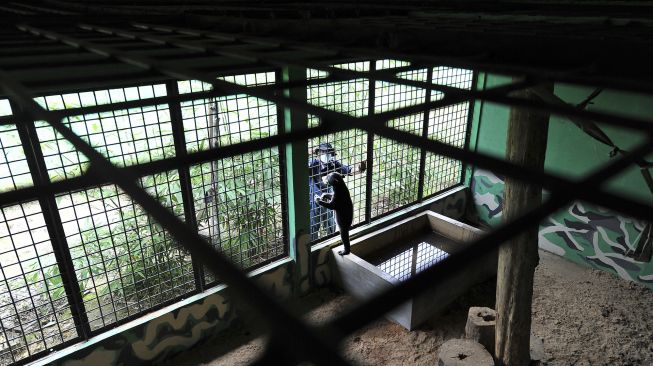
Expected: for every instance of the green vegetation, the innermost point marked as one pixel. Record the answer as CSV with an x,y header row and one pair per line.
x,y
124,261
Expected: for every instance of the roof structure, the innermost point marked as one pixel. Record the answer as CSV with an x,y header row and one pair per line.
x,y
598,43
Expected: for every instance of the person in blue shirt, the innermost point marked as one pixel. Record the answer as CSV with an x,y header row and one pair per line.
x,y
320,165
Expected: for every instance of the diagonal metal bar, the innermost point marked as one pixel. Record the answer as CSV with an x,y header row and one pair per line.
x,y
310,346
155,207
364,127
185,97
547,180
369,124
277,61
389,75
493,95
377,306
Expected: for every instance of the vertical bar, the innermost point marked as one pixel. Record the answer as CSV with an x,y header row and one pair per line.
x,y
465,175
370,146
425,133
413,265
38,169
283,167
296,181
184,174
474,125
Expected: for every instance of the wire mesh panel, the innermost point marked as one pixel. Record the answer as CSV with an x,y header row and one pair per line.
x,y
238,200
395,175
448,125
34,310
125,262
389,96
411,261
389,64
340,152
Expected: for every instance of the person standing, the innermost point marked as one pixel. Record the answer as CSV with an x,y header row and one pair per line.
x,y
320,165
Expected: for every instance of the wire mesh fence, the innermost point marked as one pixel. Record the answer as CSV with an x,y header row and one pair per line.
x,y
449,125
123,261
340,152
238,200
395,168
34,310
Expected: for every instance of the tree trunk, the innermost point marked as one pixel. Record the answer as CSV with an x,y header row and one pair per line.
x,y
526,146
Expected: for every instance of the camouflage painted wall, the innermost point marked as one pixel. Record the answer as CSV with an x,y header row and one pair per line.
x,y
583,233
164,333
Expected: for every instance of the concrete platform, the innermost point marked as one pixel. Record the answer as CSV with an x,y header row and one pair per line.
x,y
395,253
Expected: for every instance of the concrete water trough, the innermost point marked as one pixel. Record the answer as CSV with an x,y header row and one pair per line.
x,y
394,253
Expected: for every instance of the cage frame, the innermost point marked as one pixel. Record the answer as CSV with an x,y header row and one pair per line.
x,y
317,344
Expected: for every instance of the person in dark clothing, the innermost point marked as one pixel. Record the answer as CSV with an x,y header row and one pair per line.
x,y
339,202
320,165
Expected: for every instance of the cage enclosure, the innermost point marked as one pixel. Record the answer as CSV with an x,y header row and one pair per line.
x,y
386,257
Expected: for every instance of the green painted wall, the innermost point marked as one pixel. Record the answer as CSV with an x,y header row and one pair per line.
x,y
572,153
583,233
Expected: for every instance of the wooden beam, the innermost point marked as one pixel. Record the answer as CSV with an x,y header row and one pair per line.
x,y
526,146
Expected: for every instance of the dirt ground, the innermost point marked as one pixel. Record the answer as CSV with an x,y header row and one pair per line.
x,y
584,317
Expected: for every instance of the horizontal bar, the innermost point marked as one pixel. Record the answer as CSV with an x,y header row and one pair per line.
x,y
186,97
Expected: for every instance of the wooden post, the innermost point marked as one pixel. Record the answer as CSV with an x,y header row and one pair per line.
x,y
526,146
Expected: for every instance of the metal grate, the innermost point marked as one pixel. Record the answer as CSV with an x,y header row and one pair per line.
x,y
238,200
411,261
390,96
34,310
389,64
126,137
395,176
352,98
449,125
125,263
14,171
396,169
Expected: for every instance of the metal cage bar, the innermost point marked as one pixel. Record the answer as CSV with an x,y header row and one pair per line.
x,y
319,344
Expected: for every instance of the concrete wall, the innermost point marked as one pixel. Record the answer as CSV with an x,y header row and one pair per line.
x,y
583,233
